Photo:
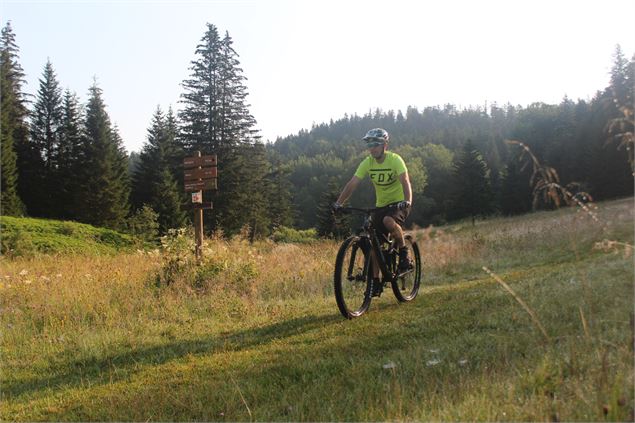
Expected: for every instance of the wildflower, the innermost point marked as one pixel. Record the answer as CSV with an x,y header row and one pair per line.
x,y
24,272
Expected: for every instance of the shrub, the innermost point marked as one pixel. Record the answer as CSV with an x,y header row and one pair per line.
x,y
285,234
144,224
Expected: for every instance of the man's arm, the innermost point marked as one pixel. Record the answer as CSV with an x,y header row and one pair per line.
x,y
407,189
348,189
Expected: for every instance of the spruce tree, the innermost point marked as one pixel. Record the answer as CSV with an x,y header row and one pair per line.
x,y
279,199
516,196
13,130
330,225
104,174
45,130
155,184
215,120
472,190
70,158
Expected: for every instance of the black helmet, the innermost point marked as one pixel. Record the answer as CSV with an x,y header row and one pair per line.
x,y
377,135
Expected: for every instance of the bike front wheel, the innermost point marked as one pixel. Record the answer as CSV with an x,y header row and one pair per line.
x,y
406,285
352,279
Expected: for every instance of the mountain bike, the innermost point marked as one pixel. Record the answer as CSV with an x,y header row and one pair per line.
x,y
353,278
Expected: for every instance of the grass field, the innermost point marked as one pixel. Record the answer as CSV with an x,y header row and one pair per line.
x,y
254,333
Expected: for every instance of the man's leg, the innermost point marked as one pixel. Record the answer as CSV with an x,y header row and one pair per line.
x,y
395,230
397,233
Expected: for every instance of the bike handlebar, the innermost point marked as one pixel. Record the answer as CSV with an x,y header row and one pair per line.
x,y
366,210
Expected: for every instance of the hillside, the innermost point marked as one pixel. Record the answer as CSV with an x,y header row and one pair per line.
x,y
254,333
27,236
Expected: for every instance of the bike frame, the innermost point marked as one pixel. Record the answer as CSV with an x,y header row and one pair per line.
x,y
369,232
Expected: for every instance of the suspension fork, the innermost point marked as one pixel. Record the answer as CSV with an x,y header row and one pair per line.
x,y
363,244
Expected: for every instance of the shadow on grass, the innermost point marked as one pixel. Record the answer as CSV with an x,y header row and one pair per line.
x,y
95,370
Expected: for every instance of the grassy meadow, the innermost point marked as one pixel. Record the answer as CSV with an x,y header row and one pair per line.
x,y
254,334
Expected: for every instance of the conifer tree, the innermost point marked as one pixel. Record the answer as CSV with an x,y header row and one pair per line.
x,y
155,184
70,158
516,189
216,120
13,131
104,201
279,199
46,125
621,127
472,190
330,225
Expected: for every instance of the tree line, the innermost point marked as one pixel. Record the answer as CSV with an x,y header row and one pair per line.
x,y
461,162
63,159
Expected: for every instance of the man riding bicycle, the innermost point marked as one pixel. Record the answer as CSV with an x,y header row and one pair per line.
x,y
389,176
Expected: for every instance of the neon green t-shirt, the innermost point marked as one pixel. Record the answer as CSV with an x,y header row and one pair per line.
x,y
385,177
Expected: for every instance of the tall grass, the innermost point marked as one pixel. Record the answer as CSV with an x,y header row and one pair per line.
x,y
253,333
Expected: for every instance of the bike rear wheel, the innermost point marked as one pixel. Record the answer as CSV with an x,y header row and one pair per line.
x,y
406,285
352,280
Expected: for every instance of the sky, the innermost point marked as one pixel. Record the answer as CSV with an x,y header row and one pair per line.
x,y
309,61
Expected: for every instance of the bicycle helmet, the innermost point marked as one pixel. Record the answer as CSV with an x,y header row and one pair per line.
x,y
377,135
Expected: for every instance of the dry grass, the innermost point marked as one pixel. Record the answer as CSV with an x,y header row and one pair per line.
x,y
98,338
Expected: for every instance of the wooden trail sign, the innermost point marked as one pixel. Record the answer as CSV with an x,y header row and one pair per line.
x,y
203,161
200,175
201,185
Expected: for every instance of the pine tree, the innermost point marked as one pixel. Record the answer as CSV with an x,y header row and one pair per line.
x,y
155,184
472,190
46,125
105,169
215,120
12,127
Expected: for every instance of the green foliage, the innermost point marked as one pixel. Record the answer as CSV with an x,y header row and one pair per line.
x,y
215,120
45,133
472,190
154,177
290,235
330,225
144,225
516,189
179,268
177,258
278,188
70,160
12,126
29,236
104,176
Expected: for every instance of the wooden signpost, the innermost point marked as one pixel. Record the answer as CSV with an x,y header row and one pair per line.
x,y
200,173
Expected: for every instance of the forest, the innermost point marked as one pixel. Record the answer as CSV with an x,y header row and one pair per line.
x,y
63,159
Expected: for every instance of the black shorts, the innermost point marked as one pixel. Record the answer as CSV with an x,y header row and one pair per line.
x,y
400,216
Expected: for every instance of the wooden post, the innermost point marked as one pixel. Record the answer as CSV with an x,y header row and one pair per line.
x,y
199,175
198,226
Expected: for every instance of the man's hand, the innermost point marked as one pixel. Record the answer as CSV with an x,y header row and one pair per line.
x,y
402,205
336,207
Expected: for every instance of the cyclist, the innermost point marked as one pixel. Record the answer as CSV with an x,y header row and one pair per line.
x,y
389,175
